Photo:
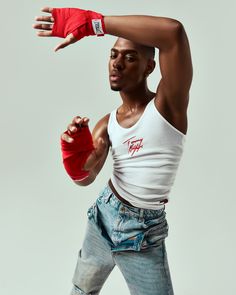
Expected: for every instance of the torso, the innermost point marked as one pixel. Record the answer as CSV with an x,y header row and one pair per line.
x,y
128,119
154,138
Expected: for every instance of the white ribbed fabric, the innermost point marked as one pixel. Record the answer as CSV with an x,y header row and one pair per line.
x,y
146,157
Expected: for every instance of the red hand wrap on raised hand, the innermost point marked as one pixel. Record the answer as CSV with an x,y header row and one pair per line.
x,y
76,153
77,21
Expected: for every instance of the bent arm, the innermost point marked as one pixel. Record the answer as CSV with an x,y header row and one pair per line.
x,y
99,133
166,34
169,36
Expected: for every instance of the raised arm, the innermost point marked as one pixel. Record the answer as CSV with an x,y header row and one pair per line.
x,y
166,34
169,36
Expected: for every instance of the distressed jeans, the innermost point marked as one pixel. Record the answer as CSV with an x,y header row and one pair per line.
x,y
133,239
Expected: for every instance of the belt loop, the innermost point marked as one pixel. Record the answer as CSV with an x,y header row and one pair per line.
x,y
108,194
108,198
141,213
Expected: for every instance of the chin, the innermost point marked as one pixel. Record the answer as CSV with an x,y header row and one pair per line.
x,y
116,88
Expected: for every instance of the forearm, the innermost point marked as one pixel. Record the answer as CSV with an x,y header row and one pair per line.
x,y
160,32
93,172
88,180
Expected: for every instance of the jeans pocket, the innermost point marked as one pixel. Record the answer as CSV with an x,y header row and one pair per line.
x,y
156,233
105,194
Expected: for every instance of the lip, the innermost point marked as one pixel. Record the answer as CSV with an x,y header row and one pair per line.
x,y
114,77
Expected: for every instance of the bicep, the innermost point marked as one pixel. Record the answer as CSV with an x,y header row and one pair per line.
x,y
176,71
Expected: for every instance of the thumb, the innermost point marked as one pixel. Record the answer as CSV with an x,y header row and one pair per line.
x,y
70,39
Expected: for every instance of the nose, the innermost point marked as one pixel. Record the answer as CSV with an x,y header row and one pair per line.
x,y
118,63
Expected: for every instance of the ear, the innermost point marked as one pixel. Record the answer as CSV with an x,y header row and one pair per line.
x,y
151,64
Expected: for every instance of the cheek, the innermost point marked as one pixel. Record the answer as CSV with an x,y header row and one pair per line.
x,y
109,65
138,73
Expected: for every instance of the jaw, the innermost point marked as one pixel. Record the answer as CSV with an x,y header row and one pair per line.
x,y
116,85
116,88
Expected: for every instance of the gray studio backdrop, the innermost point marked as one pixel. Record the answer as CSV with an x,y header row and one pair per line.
x,y
43,214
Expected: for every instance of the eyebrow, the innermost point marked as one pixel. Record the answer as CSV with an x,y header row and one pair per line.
x,y
125,50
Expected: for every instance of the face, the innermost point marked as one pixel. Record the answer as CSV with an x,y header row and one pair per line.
x,y
128,66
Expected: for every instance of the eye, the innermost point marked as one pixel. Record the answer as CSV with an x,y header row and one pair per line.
x,y
130,58
113,55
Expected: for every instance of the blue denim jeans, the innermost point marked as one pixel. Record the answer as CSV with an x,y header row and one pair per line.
x,y
131,238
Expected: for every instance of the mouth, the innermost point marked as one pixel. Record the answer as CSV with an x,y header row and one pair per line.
x,y
115,77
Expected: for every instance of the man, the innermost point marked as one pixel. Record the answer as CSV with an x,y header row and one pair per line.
x,y
127,225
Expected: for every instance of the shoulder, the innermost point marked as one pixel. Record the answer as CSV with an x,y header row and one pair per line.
x,y
103,122
100,129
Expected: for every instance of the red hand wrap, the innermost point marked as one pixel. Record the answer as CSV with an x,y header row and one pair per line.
x,y
76,153
77,21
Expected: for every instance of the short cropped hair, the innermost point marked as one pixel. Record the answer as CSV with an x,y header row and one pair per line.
x,y
149,51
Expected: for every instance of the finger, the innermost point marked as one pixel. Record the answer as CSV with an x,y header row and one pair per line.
x,y
82,122
67,41
76,120
67,138
43,26
62,45
85,121
47,9
44,18
44,33
72,128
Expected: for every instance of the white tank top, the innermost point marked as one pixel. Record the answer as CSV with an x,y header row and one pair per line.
x,y
146,157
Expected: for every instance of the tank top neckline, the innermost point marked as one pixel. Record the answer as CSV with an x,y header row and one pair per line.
x,y
139,119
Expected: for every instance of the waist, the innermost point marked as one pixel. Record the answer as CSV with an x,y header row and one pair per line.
x,y
162,202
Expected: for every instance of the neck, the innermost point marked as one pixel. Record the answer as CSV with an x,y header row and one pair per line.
x,y
136,98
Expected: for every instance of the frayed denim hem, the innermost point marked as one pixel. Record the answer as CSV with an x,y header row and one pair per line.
x,y
77,291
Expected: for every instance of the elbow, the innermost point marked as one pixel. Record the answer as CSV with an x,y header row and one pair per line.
x,y
173,24
179,31
84,182
172,34
180,35
177,25
87,181
176,30
81,183
177,34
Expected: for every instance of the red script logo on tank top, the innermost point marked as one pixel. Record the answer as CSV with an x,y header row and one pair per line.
x,y
134,145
